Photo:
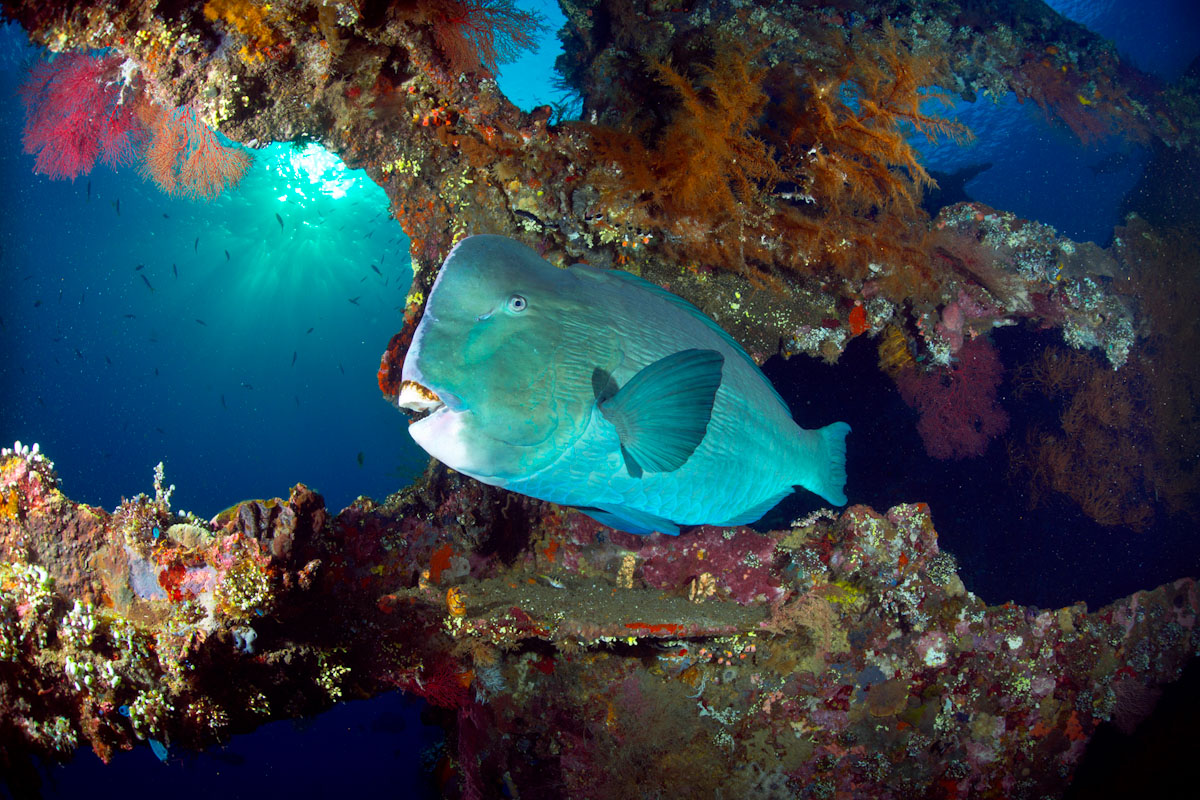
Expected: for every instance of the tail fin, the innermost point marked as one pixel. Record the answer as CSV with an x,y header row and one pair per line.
x,y
825,468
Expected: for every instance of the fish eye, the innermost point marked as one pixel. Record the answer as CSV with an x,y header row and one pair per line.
x,y
517,304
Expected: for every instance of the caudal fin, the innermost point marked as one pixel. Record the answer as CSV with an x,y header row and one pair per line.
x,y
825,472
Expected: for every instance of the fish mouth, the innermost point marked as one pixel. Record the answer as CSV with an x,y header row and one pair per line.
x,y
418,401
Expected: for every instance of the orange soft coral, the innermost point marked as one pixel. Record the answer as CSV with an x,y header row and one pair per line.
x,y
795,168
252,21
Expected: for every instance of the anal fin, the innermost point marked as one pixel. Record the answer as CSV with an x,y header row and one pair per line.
x,y
630,520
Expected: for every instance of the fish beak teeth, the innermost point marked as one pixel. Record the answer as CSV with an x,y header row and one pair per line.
x,y
418,399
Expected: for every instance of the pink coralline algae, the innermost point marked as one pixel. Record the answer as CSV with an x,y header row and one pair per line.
x,y
958,411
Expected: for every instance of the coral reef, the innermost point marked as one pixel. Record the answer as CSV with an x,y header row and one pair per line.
x,y
751,157
842,654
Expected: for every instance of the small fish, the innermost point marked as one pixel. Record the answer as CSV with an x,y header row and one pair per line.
x,y
160,430
223,402
37,303
147,282
201,322
360,458
139,268
165,216
551,582
377,272
354,300
117,205
227,255
600,390
369,235
297,398
279,219
293,358
108,361
196,246
175,270
363,278
310,330
156,372
60,293
343,369
89,192
130,316
532,218
381,258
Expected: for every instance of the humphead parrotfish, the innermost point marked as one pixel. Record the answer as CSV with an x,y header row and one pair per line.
x,y
600,390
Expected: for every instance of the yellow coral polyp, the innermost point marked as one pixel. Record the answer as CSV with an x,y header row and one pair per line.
x,y
455,602
894,355
249,20
10,504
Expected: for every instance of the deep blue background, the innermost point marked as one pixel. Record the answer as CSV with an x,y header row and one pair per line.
x,y
108,396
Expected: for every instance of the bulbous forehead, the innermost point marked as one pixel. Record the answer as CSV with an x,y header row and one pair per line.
x,y
481,268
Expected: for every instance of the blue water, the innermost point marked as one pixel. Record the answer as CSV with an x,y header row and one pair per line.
x,y
189,359
111,377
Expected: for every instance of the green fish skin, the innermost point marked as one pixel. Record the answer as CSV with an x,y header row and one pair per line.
x,y
599,390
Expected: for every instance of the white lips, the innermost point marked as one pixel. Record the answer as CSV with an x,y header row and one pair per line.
x,y
415,397
442,431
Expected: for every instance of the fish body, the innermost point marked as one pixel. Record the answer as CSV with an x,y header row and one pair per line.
x,y
599,390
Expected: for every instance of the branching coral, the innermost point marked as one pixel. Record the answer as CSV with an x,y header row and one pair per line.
x,y
1099,458
472,35
792,168
705,170
1126,444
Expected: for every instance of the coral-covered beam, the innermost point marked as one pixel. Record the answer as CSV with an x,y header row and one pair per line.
x,y
813,210
847,641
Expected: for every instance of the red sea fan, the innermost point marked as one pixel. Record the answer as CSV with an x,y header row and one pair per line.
x,y
444,685
959,413
74,114
487,32
185,156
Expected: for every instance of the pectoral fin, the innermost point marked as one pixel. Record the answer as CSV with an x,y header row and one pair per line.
x,y
662,413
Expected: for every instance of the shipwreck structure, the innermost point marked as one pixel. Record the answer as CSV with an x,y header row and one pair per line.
x,y
752,157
